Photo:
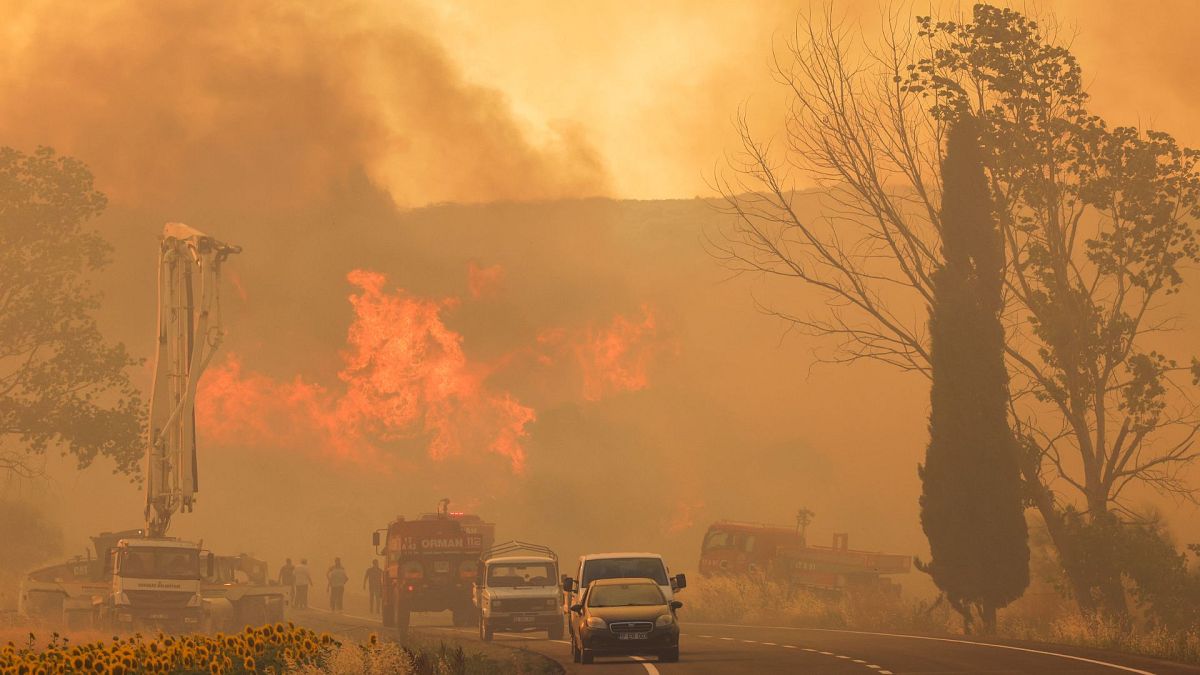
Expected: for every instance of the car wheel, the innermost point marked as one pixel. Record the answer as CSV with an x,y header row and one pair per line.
x,y
586,656
670,656
574,652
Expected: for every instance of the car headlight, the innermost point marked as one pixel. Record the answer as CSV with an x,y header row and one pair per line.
x,y
596,622
664,620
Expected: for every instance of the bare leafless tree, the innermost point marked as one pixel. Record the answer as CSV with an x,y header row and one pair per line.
x,y
1097,222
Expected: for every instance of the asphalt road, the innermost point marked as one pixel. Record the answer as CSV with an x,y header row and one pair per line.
x,y
724,648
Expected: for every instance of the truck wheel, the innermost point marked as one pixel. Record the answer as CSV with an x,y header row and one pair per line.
x,y
555,632
485,630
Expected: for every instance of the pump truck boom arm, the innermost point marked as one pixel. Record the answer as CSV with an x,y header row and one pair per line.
x,y
189,333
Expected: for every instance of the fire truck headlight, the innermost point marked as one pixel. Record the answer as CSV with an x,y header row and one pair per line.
x,y
596,622
120,599
664,620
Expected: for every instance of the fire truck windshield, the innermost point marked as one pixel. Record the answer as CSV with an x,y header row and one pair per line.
x,y
718,539
159,563
520,574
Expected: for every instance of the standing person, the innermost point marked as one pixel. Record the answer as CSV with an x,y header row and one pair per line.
x,y
373,582
303,579
336,578
287,577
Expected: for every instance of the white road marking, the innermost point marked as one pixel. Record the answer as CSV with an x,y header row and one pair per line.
x,y
729,639
1094,662
826,653
750,642
771,644
839,656
858,661
872,665
885,672
646,664
789,646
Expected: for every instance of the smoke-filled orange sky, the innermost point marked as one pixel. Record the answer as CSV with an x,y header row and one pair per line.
x,y
313,133
465,101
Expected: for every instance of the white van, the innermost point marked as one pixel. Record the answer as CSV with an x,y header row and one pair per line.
x,y
620,566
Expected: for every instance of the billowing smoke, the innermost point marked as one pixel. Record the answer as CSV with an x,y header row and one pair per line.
x,y
273,104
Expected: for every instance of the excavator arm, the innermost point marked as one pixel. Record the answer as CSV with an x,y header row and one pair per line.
x,y
189,333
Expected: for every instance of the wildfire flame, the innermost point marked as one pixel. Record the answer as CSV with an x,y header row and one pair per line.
x,y
404,376
615,358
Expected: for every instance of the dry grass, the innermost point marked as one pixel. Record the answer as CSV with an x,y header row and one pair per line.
x,y
1038,617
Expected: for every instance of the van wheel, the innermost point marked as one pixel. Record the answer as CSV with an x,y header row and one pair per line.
x,y
485,630
555,632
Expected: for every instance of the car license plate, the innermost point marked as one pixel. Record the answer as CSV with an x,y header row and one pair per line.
x,y
523,619
632,636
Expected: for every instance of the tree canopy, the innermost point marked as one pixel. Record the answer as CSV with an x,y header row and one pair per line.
x,y
62,385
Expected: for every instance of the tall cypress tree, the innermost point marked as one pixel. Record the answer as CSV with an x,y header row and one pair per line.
x,y
971,508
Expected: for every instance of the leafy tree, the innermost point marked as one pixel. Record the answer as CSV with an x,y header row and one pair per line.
x,y
1096,223
971,507
61,384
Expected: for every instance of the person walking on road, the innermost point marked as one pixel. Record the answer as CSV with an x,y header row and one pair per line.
x,y
373,582
287,578
336,578
303,579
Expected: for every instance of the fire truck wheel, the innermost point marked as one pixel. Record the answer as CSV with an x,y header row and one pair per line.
x,y
485,631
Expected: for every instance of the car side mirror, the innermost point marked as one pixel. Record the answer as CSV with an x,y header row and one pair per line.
x,y
568,584
675,604
375,539
680,581
578,609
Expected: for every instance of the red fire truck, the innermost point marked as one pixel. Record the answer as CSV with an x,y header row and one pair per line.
x,y
430,564
782,553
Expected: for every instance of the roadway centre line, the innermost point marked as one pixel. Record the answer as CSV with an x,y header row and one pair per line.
x,y
774,644
938,639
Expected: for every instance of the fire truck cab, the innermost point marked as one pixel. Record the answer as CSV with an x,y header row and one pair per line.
x,y
430,564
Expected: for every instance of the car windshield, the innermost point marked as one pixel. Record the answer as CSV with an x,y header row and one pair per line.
x,y
625,568
520,574
625,595
160,563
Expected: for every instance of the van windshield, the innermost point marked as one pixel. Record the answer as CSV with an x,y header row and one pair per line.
x,y
624,568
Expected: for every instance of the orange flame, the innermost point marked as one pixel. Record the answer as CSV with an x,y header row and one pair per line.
x,y
405,375
616,357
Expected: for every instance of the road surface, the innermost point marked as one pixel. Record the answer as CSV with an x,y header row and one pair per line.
x,y
720,649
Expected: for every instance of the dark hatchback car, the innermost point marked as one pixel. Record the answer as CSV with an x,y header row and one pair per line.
x,y
625,617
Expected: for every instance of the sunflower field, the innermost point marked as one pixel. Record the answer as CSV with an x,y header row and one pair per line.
x,y
276,648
